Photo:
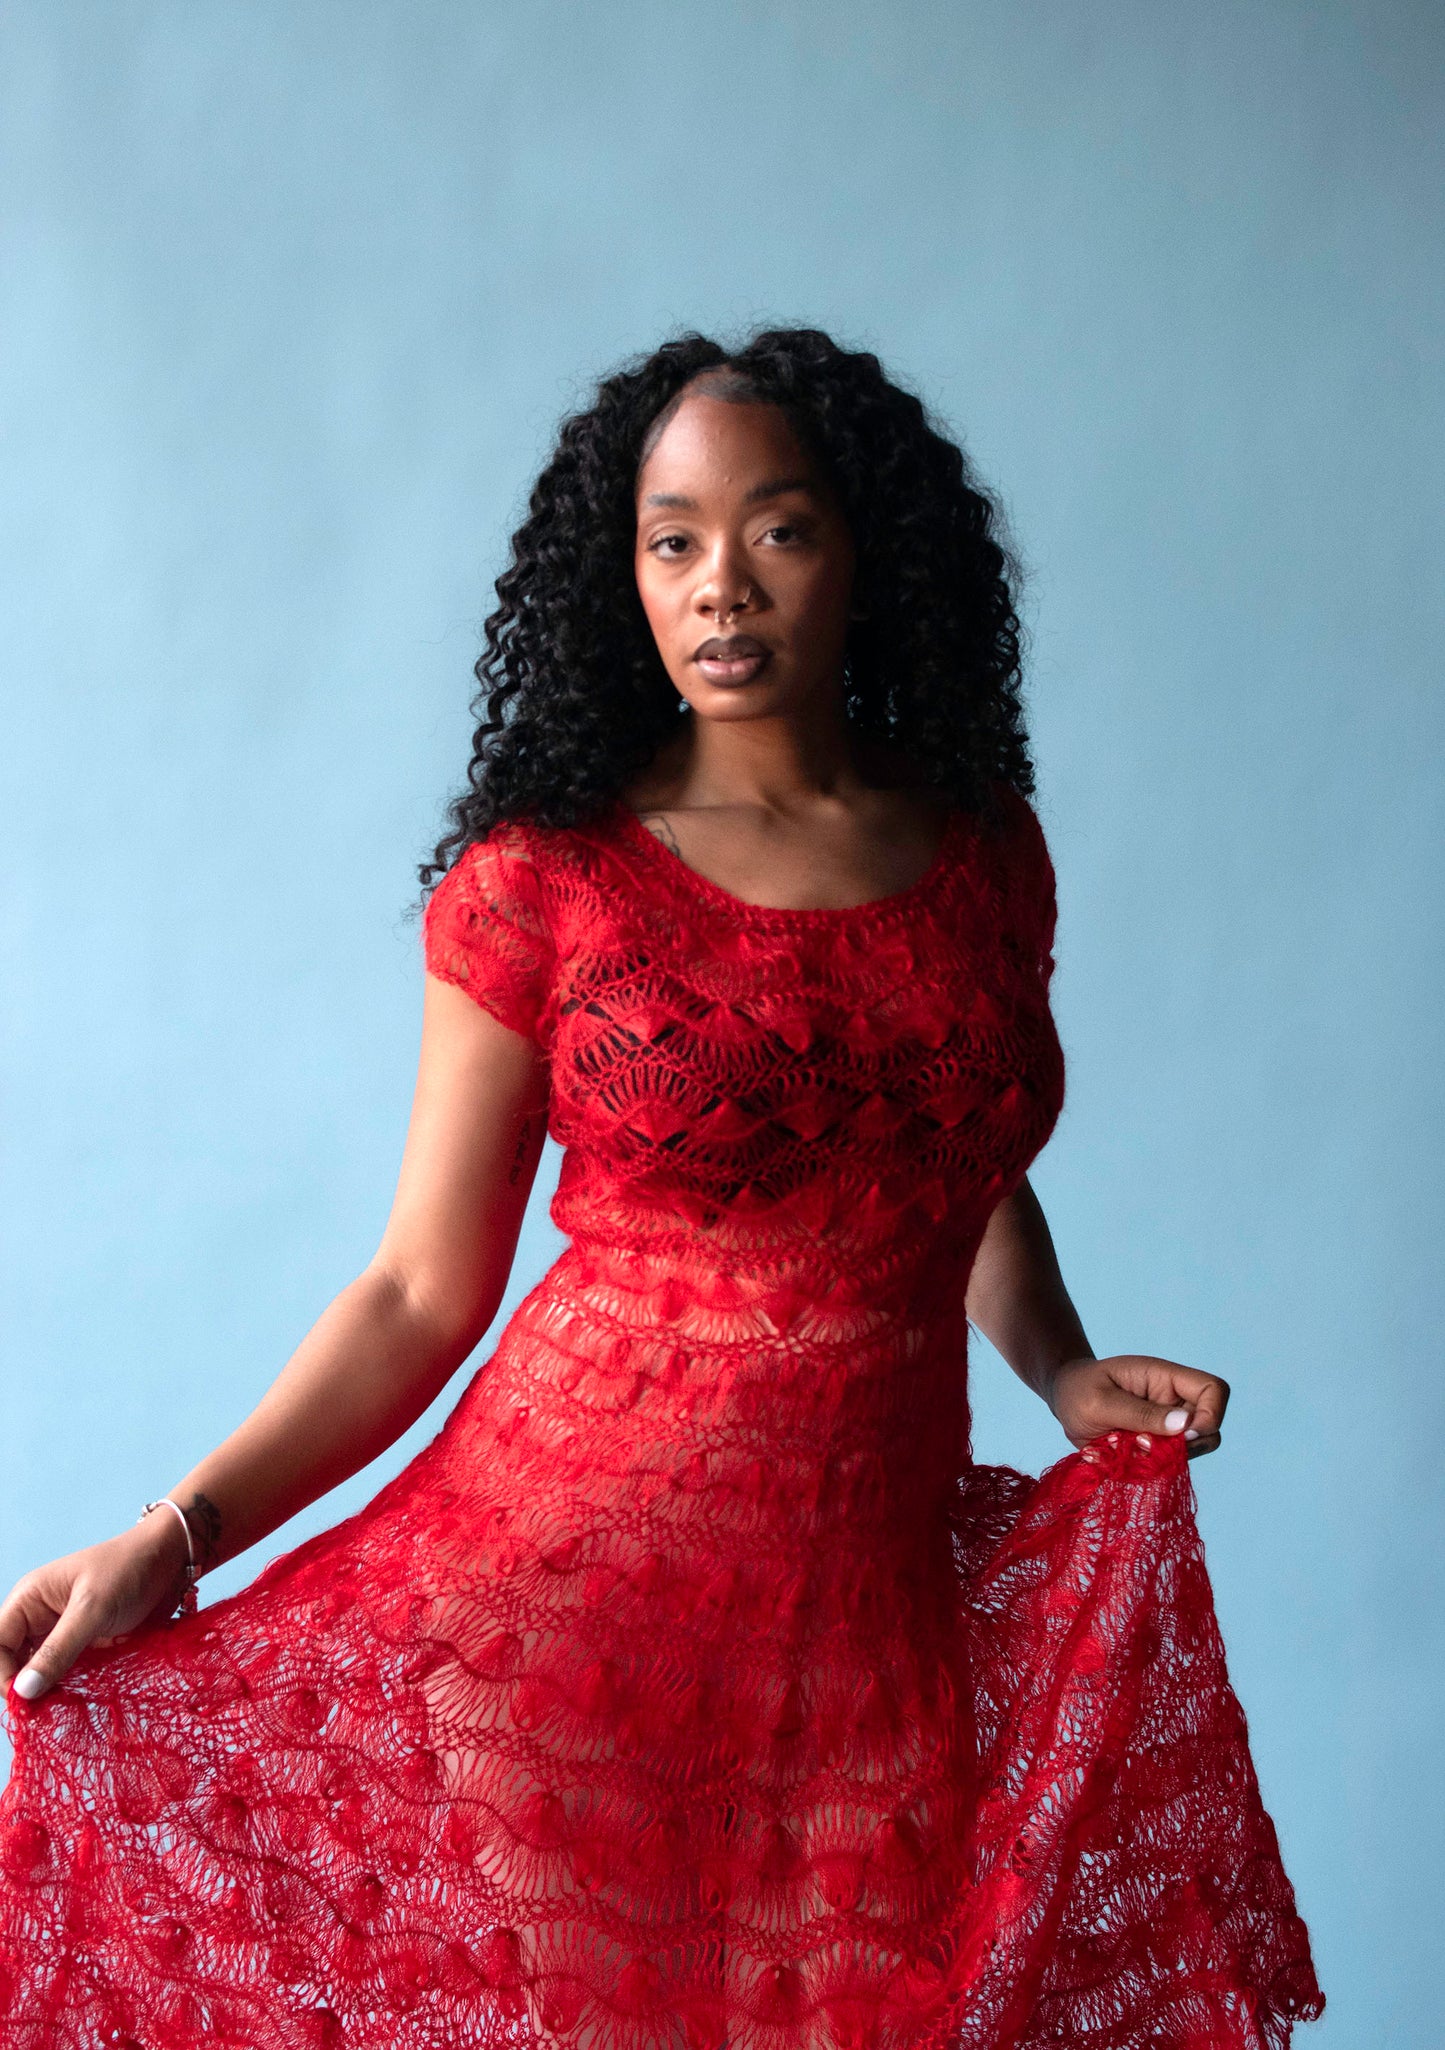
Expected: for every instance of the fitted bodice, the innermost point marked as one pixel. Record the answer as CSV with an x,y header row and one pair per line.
x,y
809,1105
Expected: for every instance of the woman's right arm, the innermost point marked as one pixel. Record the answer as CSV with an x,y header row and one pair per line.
x,y
372,1363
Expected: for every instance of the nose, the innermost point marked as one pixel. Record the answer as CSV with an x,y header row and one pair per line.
x,y
726,587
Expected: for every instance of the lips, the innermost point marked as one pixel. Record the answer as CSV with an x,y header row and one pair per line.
x,y
733,661
736,648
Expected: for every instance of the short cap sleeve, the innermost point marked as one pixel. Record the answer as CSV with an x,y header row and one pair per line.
x,y
1030,884
486,929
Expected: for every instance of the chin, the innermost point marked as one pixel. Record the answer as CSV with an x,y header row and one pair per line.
x,y
764,699
723,706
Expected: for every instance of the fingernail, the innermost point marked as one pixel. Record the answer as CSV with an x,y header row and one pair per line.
x,y
1191,1432
1175,1419
29,1683
1142,1438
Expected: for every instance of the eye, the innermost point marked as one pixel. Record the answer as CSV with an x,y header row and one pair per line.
x,y
661,545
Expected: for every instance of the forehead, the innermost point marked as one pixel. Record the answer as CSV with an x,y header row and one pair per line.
x,y
714,445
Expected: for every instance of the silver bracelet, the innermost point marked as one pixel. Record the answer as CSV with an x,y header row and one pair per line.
x,y
188,1593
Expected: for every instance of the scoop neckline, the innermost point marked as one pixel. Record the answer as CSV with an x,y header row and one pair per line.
x,y
665,861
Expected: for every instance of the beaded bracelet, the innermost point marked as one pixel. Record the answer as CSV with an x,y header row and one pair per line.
x,y
188,1595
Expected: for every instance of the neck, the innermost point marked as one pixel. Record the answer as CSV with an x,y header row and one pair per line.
x,y
777,764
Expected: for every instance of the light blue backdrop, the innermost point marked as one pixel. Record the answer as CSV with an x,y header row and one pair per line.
x,y
294,296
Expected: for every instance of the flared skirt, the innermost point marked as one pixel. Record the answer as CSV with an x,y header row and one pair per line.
x,y
501,1761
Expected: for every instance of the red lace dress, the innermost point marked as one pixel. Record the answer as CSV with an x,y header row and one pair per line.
x,y
693,1687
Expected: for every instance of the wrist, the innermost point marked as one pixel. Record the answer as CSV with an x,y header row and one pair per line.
x,y
184,1570
159,1531
1057,1374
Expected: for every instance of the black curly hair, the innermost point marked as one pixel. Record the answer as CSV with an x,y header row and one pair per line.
x,y
574,699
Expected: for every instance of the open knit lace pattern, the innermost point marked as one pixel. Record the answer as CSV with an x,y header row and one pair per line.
x,y
693,1687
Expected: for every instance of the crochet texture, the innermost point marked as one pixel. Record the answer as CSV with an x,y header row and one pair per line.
x,y
693,1687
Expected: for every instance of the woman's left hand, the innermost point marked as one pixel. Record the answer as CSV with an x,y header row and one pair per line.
x,y
1133,1391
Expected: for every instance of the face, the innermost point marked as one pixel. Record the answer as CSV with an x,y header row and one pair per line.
x,y
744,561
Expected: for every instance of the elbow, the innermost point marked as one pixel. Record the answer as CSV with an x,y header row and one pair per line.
x,y
443,1320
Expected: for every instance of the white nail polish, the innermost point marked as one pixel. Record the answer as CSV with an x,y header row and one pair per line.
x,y
1175,1419
1191,1432
29,1683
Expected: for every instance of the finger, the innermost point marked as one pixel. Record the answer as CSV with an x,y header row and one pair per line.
x,y
1209,1444
1154,1394
1204,1396
11,1658
22,1622
1130,1412
57,1653
1209,1406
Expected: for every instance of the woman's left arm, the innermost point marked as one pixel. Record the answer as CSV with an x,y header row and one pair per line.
x,y
1017,1299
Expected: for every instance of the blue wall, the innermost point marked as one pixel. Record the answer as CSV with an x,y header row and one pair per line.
x,y
295,294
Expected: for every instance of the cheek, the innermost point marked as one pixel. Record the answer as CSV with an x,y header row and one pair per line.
x,y
825,592
659,594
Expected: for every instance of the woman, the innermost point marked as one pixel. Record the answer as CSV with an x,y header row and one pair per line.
x,y
692,1687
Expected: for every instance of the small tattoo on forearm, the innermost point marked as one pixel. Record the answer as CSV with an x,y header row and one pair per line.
x,y
660,825
204,1519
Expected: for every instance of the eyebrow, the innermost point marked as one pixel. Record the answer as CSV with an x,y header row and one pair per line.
x,y
771,487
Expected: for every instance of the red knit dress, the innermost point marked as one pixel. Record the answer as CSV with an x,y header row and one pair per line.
x,y
693,1687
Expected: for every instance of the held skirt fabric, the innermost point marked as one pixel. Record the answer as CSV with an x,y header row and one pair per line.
x,y
693,1687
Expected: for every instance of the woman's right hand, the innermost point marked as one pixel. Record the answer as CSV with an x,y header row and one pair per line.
x,y
90,1597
